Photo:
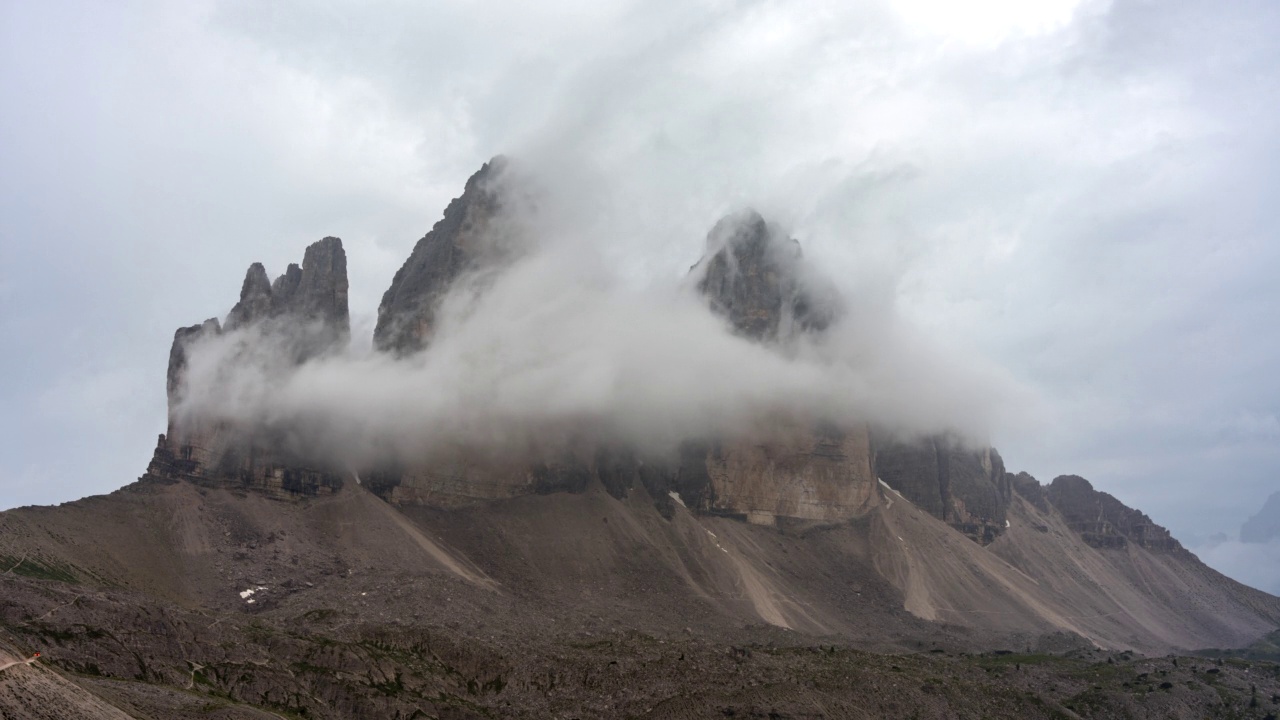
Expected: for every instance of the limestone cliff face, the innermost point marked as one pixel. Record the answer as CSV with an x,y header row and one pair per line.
x,y
302,315
305,309
965,487
461,241
822,475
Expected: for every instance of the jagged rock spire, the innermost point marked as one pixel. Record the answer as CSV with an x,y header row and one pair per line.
x,y
255,299
305,310
407,313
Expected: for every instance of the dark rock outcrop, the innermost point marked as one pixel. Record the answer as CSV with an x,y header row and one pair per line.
x,y
255,299
457,244
752,275
965,487
1031,489
305,309
1102,520
315,293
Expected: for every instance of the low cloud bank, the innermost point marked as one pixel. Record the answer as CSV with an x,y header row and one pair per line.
x,y
563,348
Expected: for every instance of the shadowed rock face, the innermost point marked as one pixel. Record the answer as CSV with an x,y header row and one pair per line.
x,y
305,309
753,277
1102,520
1031,489
305,314
455,246
183,339
967,488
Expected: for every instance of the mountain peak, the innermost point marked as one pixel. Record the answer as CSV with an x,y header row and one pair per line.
x,y
456,244
1102,520
753,275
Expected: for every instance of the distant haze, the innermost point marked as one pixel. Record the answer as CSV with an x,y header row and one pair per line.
x,y
1068,211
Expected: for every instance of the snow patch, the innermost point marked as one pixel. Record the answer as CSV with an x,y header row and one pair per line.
x,y
244,594
676,496
890,488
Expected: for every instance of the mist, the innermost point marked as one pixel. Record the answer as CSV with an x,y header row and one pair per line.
x,y
556,345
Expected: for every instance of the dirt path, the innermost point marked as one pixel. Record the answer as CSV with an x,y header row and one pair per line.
x,y
28,661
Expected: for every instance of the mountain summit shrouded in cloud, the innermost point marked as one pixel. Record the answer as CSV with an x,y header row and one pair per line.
x,y
538,460
1078,193
498,336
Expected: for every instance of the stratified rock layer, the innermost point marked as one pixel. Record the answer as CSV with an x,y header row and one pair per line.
x,y
1102,520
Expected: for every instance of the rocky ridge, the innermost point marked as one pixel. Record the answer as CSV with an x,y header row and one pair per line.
x,y
466,238
748,577
752,274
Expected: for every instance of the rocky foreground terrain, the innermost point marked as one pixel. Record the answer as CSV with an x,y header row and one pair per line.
x,y
803,568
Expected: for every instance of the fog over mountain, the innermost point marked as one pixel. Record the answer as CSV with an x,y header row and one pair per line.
x,y
1061,216
547,346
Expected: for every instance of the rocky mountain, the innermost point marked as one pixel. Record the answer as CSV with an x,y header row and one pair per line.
x,y
754,276
813,570
468,237
303,314
1264,526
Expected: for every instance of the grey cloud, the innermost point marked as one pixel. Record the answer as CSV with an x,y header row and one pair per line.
x,y
557,350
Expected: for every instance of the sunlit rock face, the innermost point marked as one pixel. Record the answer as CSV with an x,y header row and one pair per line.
x,y
813,474
463,240
300,316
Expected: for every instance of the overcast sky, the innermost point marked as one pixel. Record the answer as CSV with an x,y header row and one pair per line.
x,y
1083,194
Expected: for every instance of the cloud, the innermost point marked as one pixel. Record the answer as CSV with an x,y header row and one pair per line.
x,y
559,351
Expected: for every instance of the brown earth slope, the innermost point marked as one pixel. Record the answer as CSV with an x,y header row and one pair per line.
x,y
360,609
